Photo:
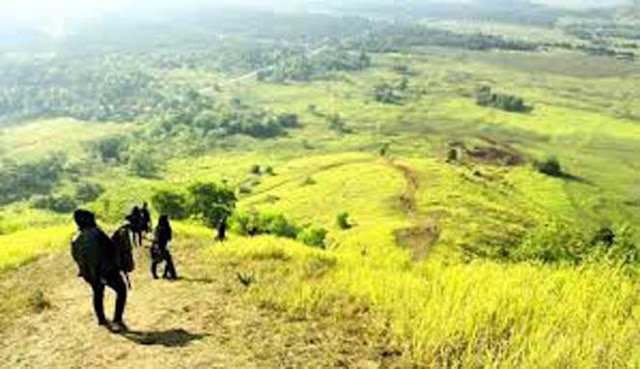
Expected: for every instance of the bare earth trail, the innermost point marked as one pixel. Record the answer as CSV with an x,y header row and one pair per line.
x,y
421,237
201,321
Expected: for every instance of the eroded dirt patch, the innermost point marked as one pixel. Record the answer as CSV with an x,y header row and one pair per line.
x,y
418,239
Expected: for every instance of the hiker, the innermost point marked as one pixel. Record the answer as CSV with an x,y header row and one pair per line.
x,y
146,218
135,218
99,265
160,249
222,230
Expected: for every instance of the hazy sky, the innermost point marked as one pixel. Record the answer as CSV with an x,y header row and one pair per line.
x,y
52,14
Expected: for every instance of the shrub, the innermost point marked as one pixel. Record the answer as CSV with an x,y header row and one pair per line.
x,y
288,120
142,163
171,204
269,171
255,169
313,236
20,181
109,149
384,149
550,167
386,94
58,204
336,123
342,219
309,181
510,103
254,223
279,225
87,192
245,189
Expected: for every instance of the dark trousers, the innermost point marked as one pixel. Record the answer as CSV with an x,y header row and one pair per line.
x,y
137,237
169,269
116,282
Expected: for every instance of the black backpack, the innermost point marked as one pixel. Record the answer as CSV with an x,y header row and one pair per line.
x,y
123,242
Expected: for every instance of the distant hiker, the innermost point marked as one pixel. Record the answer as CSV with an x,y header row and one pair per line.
x,y
99,264
160,249
135,218
222,230
145,218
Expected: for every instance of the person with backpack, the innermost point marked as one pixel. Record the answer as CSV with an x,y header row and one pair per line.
x,y
100,265
146,218
135,219
160,249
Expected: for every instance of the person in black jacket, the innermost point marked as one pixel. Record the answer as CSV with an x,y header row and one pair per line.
x,y
135,219
146,218
222,230
160,251
98,264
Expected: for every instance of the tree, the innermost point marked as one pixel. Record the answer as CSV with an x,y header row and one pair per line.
x,y
211,202
87,192
142,163
171,204
109,149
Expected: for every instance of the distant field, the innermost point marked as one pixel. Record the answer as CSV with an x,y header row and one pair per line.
x,y
36,139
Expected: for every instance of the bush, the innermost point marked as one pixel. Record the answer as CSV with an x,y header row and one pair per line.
x,y
87,192
342,219
109,149
309,181
336,123
142,163
245,189
269,171
58,204
278,225
255,169
254,223
550,167
20,181
387,94
171,204
288,120
510,103
211,202
313,236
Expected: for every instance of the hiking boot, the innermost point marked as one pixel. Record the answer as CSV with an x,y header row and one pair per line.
x,y
119,327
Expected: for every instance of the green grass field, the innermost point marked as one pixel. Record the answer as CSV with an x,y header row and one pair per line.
x,y
408,260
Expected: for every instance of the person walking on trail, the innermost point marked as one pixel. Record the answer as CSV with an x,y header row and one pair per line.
x,y
160,249
222,230
145,218
135,218
99,265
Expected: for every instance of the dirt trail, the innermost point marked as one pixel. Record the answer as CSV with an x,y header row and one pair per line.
x,y
201,321
426,230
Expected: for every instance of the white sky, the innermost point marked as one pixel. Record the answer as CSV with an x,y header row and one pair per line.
x,y
58,10
29,10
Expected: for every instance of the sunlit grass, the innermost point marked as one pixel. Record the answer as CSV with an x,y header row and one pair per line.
x,y
20,247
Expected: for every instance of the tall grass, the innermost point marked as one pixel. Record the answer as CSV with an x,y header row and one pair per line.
x,y
481,314
20,247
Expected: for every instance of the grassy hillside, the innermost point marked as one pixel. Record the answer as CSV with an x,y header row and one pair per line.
x,y
460,250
